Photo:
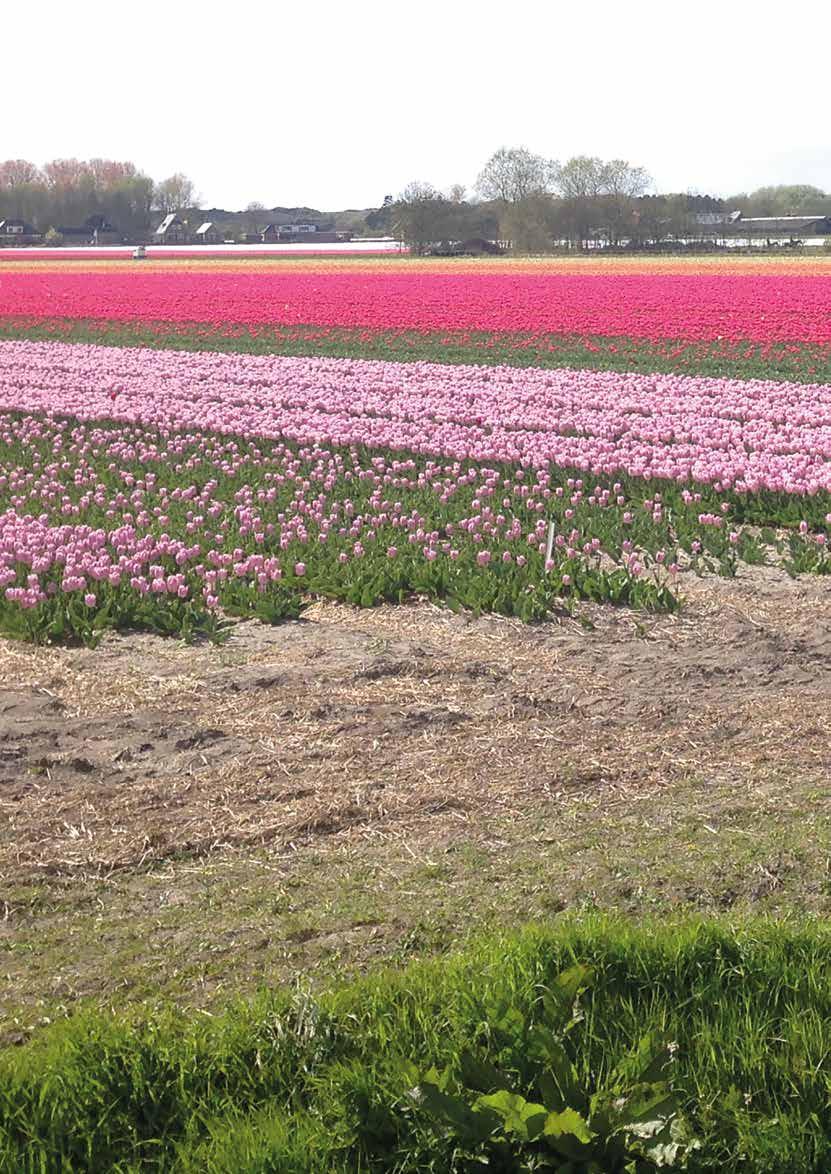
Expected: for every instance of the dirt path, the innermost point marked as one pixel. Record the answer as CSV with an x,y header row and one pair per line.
x,y
404,719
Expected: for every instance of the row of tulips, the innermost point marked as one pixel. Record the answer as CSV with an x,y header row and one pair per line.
x,y
180,492
710,306
136,526
751,436
725,358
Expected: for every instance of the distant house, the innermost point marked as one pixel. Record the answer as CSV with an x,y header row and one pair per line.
x,y
17,232
171,231
293,232
208,234
103,233
15,227
75,234
312,233
96,230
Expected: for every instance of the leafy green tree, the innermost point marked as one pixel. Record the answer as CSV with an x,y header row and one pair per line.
x,y
380,219
798,199
69,191
530,224
419,216
424,217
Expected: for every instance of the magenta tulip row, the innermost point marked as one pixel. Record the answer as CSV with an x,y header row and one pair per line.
x,y
762,308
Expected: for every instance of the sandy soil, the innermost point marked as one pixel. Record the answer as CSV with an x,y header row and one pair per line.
x,y
358,723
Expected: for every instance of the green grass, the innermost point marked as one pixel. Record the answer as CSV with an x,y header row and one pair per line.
x,y
186,1076
196,932
291,1083
793,362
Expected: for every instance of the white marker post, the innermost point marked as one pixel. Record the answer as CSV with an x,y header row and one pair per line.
x,y
550,547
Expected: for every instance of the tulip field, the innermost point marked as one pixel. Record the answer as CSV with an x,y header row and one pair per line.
x,y
155,475
654,306
263,904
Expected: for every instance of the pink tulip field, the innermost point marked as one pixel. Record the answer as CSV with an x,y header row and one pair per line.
x,y
168,486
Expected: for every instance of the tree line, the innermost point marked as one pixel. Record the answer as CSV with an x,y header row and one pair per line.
x,y
534,202
537,203
69,191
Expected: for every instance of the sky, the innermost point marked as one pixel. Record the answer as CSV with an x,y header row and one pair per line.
x,y
334,105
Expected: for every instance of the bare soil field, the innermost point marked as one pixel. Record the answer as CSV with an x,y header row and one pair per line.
x,y
365,784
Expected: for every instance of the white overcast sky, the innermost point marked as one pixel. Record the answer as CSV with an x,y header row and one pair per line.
x,y
334,105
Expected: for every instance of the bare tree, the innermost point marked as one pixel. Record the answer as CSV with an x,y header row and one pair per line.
x,y
622,185
253,216
418,190
175,193
514,173
580,178
622,179
67,174
14,173
598,196
456,193
109,172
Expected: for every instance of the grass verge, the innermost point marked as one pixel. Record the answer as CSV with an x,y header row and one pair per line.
x,y
197,932
291,1083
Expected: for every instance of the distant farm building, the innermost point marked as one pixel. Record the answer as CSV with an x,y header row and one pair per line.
x,y
782,227
715,220
171,231
208,234
297,233
712,218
